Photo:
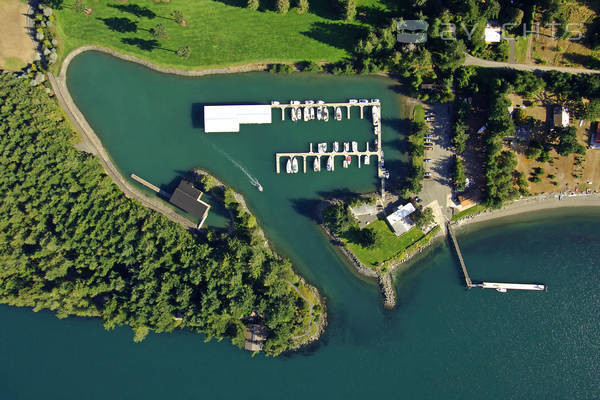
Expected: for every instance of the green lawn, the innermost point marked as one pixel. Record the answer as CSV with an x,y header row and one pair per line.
x,y
390,247
219,32
469,211
419,114
521,49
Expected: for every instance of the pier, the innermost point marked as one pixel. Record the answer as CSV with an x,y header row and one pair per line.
x,y
348,106
502,287
304,155
468,281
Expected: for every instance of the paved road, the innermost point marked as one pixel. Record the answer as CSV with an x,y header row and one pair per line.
x,y
478,62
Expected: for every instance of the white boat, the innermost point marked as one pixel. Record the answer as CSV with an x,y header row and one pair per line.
x,y
353,101
336,146
338,114
375,112
294,115
294,102
375,130
346,146
330,163
345,164
317,164
258,186
288,166
325,114
374,100
320,102
363,101
322,147
312,113
501,290
306,114
298,114
294,165
367,160
354,147
274,103
319,113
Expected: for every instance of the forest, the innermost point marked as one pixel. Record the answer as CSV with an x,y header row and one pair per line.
x,y
72,243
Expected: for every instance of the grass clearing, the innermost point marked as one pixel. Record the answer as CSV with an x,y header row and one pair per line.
x,y
17,48
469,211
521,44
219,33
391,244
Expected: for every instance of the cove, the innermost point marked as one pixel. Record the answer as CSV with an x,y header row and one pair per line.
x,y
440,342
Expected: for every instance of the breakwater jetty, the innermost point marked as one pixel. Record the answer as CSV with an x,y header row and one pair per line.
x,y
501,287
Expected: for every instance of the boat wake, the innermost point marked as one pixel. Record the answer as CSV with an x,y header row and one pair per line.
x,y
253,180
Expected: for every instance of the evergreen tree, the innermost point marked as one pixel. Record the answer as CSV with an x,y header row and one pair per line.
x,y
349,10
253,4
302,6
283,6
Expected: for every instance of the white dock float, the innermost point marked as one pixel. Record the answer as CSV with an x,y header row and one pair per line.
x,y
500,286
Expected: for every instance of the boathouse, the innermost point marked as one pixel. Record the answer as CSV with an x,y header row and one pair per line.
x,y
256,336
187,197
400,220
229,118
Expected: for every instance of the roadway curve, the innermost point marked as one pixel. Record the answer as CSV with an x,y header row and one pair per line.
x,y
478,62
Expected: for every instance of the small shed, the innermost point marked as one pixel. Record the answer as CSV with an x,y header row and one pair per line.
x,y
187,197
256,336
561,116
492,32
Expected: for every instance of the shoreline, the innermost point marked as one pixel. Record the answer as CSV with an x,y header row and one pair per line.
x,y
531,204
250,67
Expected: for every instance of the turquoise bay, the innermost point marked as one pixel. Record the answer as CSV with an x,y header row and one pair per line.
x,y
440,342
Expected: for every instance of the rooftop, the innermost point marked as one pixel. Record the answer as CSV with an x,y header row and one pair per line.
x,y
400,221
229,118
187,197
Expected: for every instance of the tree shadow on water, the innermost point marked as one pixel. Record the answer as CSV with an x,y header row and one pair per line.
x,y
119,24
336,34
142,44
135,9
307,208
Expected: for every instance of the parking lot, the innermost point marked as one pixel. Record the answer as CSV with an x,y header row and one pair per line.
x,y
437,189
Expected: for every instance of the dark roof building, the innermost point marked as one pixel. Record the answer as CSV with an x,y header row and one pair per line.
x,y
187,197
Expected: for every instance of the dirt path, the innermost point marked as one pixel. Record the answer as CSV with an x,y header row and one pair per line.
x,y
17,49
310,315
478,62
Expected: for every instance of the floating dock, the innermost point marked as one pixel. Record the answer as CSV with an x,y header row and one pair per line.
x,y
499,286
359,154
347,105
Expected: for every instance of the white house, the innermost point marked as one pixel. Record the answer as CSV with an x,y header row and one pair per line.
x,y
400,220
492,33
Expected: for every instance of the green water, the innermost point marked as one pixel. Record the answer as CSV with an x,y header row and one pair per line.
x,y
440,342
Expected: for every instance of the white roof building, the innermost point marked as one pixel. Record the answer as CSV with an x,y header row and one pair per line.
x,y
400,221
561,116
229,118
492,33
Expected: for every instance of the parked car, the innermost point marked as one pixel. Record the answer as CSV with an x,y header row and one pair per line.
x,y
427,175
427,160
428,148
428,136
428,144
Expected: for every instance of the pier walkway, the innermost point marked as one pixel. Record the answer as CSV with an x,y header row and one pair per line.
x,y
468,281
347,105
359,154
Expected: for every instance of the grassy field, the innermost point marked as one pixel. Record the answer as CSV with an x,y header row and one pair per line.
x,y
17,48
390,247
219,32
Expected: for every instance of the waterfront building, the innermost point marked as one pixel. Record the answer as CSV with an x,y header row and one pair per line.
x,y
187,197
400,220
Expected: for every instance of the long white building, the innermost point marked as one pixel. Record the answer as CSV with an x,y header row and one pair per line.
x,y
229,118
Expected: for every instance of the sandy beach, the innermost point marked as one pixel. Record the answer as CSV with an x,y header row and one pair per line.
x,y
534,203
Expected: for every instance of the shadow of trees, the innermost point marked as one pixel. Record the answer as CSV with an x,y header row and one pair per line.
x,y
134,9
336,34
307,208
142,44
586,60
120,24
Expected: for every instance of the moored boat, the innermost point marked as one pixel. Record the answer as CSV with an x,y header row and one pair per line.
x,y
338,114
349,160
294,165
345,164
330,163
354,147
317,164
346,146
336,146
319,113
288,166
306,114
322,147
367,160
298,113
312,113
325,114
294,115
